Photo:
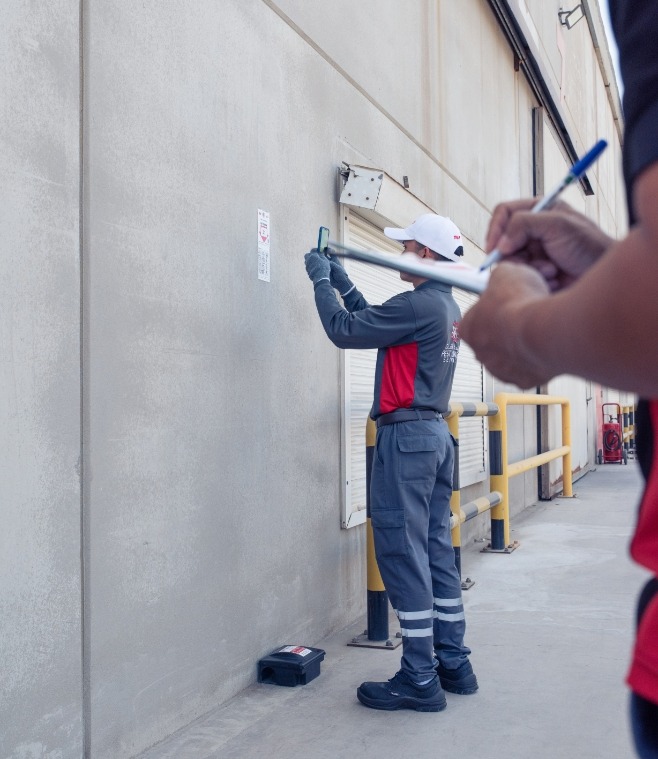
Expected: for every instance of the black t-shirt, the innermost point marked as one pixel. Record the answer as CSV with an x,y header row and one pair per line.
x,y
635,24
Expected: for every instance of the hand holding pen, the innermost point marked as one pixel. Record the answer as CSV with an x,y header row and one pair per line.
x,y
578,169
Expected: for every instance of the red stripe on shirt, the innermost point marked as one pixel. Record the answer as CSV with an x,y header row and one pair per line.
x,y
643,675
398,377
644,546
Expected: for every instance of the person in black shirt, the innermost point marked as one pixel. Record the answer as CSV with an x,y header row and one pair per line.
x,y
543,311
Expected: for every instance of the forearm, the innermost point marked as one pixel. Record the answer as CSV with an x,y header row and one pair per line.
x,y
604,326
329,309
372,327
336,320
354,301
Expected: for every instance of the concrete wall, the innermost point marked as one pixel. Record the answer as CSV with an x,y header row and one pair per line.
x,y
40,579
170,426
214,529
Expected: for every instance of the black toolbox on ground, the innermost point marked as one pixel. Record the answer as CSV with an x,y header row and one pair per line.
x,y
290,665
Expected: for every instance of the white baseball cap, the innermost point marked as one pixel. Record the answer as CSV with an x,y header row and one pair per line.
x,y
436,232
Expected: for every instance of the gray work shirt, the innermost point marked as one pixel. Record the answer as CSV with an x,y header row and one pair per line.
x,y
416,334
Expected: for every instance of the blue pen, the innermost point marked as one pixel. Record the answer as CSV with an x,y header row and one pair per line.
x,y
577,170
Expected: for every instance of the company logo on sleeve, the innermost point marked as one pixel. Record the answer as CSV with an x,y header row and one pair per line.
x,y
451,351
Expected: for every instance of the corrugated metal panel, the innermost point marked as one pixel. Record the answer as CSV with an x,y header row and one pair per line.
x,y
378,285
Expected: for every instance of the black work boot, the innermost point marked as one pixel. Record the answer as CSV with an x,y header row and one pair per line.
x,y
461,680
400,692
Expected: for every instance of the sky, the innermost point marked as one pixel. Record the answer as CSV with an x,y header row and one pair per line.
x,y
603,4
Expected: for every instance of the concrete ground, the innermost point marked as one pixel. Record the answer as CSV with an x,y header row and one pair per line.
x,y
550,626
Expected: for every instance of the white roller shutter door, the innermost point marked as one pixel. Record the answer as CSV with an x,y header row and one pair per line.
x,y
378,285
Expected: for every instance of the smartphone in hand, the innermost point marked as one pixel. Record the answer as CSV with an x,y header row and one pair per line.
x,y
323,240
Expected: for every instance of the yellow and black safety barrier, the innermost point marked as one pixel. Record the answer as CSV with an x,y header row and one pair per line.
x,y
461,514
500,470
496,501
377,597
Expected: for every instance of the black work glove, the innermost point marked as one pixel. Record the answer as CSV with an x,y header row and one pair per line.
x,y
338,276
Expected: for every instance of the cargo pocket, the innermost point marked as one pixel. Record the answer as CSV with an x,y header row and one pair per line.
x,y
389,532
418,455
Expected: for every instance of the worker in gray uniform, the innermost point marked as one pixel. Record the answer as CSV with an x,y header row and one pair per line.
x,y
416,334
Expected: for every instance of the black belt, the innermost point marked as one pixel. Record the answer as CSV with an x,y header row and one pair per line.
x,y
407,415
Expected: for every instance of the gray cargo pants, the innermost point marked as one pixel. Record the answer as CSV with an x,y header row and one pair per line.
x,y
410,493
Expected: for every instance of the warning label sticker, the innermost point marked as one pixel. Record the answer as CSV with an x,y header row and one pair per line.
x,y
299,650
